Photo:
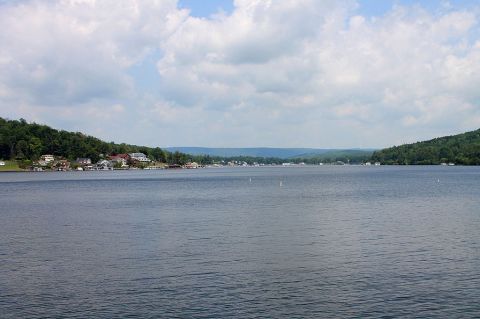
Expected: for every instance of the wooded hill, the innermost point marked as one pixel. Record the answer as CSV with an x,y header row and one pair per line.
x,y
20,140
463,149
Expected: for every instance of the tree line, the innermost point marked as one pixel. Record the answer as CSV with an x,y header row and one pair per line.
x,y
23,141
20,140
463,149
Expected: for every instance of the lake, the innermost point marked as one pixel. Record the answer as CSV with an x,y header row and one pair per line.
x,y
260,242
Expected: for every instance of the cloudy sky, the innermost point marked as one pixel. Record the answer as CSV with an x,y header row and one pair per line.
x,y
279,73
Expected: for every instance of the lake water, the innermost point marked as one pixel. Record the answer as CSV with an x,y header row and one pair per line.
x,y
268,242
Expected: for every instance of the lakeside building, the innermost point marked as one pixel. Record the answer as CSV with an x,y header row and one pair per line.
x,y
121,159
192,165
47,158
139,157
84,161
125,156
103,165
62,165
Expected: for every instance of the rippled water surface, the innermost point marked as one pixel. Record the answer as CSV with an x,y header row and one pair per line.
x,y
284,242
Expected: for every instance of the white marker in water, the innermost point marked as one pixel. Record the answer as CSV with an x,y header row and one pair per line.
x,y
281,183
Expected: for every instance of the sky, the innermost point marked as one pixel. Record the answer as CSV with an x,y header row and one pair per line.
x,y
243,73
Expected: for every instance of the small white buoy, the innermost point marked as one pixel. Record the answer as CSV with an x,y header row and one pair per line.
x,y
281,183
250,179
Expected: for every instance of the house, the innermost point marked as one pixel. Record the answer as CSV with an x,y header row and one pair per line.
x,y
126,157
103,165
2,163
47,158
191,165
121,159
84,161
139,157
62,165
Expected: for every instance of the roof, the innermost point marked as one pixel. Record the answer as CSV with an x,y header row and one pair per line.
x,y
137,155
125,156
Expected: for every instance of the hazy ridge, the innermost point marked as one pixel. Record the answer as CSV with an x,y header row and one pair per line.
x,y
285,153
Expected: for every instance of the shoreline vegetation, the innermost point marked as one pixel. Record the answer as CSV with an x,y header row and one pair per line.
x,y
39,147
34,147
460,149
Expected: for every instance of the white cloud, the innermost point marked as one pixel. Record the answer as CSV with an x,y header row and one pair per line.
x,y
74,51
276,73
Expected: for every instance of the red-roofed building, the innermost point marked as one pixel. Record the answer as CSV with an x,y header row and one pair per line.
x,y
119,158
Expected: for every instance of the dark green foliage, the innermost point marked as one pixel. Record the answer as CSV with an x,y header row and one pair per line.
x,y
345,156
20,140
463,149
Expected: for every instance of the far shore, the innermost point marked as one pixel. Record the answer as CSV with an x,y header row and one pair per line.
x,y
19,170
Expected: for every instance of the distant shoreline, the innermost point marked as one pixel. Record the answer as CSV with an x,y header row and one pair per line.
x,y
251,166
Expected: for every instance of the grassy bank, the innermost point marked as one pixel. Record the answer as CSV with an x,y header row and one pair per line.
x,y
10,166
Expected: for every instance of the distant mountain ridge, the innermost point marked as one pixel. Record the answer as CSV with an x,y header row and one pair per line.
x,y
285,153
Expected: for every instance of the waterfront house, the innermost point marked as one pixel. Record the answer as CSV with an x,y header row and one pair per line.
x,y
139,157
191,165
121,159
62,165
126,157
84,161
2,163
47,158
103,165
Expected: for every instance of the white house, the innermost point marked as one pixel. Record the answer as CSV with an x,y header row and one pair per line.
x,y
84,161
2,163
191,165
47,158
118,160
139,157
103,165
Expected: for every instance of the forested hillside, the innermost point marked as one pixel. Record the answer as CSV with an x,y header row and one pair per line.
x,y
461,149
20,140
